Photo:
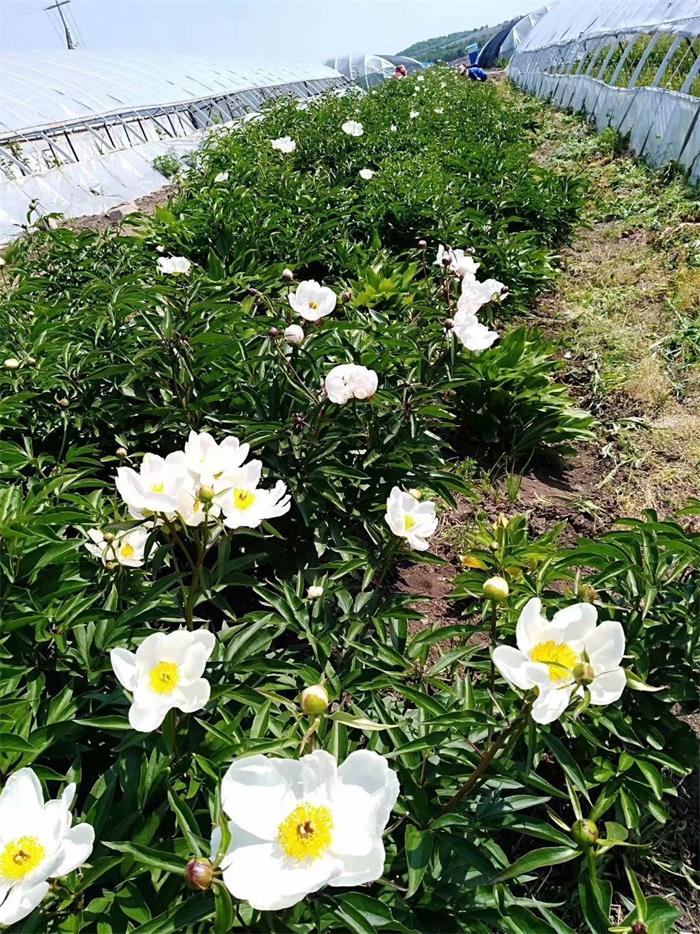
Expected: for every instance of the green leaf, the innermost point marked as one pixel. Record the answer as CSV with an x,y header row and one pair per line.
x,y
536,859
419,848
154,859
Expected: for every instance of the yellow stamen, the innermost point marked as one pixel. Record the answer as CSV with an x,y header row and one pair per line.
x,y
243,499
158,488
127,550
19,858
164,677
408,523
313,305
306,833
557,656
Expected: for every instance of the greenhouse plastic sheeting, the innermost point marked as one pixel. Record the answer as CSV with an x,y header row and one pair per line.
x,y
565,59
519,33
362,69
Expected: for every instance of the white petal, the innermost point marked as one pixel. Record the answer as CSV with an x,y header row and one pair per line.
x,y
577,621
76,848
146,719
360,869
607,687
22,791
529,626
195,696
258,793
551,704
261,876
515,667
124,666
21,901
606,646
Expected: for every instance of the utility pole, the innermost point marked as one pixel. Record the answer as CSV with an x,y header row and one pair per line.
x,y
70,41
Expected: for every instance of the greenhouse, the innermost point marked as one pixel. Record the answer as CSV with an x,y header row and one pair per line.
x,y
363,69
632,66
79,130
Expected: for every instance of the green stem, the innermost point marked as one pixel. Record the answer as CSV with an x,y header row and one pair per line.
x,y
479,773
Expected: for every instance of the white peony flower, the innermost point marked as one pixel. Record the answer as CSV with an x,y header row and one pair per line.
x,y
294,335
393,128
158,485
460,263
173,265
221,177
302,105
413,114
367,174
439,110
563,656
37,843
165,672
420,78
314,592
297,826
284,144
476,294
473,335
243,504
350,381
125,547
411,519
208,461
311,300
353,128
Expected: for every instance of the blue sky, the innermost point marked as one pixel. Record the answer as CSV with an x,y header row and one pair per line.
x,y
293,30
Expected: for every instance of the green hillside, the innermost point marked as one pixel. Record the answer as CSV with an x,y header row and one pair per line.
x,y
447,48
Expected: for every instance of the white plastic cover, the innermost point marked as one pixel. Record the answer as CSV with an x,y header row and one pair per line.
x,y
363,69
522,29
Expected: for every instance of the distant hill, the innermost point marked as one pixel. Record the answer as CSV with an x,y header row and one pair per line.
x,y
447,48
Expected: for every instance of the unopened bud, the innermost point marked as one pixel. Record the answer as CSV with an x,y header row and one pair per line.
x,y
199,875
64,403
112,565
108,537
639,927
314,592
31,360
206,494
273,332
122,453
583,674
448,323
422,244
587,593
345,297
416,494
287,275
294,335
11,363
446,259
496,588
252,291
314,700
584,832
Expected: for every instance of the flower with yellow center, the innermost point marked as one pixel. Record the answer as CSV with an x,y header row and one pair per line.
x,y
126,548
243,503
158,485
165,672
311,300
297,826
37,843
410,518
562,657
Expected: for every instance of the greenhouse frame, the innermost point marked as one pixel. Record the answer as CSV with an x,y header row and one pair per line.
x,y
633,66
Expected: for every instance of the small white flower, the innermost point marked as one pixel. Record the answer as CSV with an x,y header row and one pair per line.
x,y
476,294
125,547
294,335
165,672
314,592
367,174
157,486
420,78
284,144
311,300
413,114
302,105
350,381
411,519
353,128
244,504
11,363
221,177
393,128
552,656
297,826
460,263
37,843
439,110
473,335
174,265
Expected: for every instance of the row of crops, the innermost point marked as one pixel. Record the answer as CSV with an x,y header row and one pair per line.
x,y
223,431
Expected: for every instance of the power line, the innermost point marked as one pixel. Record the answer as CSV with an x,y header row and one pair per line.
x,y
58,6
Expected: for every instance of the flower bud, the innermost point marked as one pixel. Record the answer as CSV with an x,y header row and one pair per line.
x,y
294,335
314,592
448,323
584,832
122,453
112,565
314,700
345,297
446,259
587,593
199,875
422,244
31,360
206,494
64,403
273,332
639,927
11,363
252,291
416,494
108,537
287,275
583,674
496,589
